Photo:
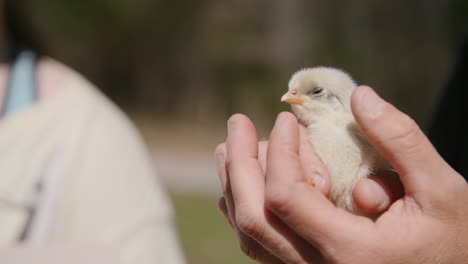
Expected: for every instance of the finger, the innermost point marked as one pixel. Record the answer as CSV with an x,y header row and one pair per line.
x,y
245,172
375,194
226,204
304,209
220,155
400,140
256,251
315,170
249,246
222,207
247,183
312,165
262,152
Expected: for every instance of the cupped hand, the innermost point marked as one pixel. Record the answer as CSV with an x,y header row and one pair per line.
x,y
426,225
241,168
242,164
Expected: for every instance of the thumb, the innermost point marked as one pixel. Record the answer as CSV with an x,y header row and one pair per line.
x,y
398,138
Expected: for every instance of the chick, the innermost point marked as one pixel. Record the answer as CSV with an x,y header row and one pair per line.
x,y
321,100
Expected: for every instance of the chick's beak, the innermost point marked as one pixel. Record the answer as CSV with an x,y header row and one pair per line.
x,y
292,99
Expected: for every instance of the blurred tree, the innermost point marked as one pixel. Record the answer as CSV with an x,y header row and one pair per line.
x,y
207,59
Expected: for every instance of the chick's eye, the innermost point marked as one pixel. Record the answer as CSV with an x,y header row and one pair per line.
x,y
317,91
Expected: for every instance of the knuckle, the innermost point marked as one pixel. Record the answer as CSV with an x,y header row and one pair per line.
x,y
245,248
407,134
249,247
282,145
278,200
236,162
285,150
250,224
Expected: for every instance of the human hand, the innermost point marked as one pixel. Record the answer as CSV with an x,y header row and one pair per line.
x,y
243,202
427,225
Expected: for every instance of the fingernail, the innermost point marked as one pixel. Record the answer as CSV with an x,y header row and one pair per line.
x,y
232,123
371,103
282,117
319,181
380,195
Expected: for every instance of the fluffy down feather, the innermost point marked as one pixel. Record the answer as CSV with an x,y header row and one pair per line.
x,y
320,98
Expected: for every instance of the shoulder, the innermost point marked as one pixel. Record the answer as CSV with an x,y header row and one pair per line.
x,y
53,77
61,84
58,82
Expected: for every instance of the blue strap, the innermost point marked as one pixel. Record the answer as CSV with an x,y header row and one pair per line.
x,y
22,83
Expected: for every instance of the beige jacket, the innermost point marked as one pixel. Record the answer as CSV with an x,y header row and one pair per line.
x,y
98,186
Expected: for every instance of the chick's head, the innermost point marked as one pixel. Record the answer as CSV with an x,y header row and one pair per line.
x,y
314,92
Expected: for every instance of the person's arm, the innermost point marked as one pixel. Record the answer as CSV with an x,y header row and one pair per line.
x,y
427,225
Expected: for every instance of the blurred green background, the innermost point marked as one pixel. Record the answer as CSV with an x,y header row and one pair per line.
x,y
180,68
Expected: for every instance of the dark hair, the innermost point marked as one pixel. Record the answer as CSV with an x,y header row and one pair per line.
x,y
20,30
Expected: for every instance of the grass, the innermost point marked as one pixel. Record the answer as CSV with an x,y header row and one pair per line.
x,y
205,235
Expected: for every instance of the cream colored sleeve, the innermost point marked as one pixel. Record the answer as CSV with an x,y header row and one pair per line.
x,y
114,197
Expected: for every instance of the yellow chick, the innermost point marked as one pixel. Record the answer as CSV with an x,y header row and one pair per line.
x,y
321,100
